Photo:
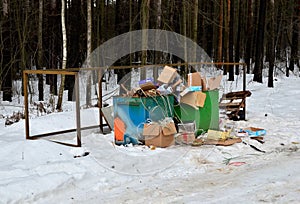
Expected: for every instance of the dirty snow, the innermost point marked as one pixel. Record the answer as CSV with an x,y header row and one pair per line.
x,y
41,171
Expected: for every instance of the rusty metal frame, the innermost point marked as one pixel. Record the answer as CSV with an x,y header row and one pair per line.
x,y
78,124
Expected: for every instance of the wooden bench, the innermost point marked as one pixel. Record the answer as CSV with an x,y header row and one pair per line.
x,y
234,104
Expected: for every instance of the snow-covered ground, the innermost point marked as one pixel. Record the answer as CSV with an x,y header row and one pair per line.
x,y
41,171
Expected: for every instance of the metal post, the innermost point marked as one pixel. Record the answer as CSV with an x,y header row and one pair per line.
x,y
25,82
244,87
100,75
78,125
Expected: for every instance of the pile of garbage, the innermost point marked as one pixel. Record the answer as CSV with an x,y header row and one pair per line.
x,y
145,115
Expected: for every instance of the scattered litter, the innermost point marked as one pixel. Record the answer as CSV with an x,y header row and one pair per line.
x,y
227,142
83,155
252,131
237,163
253,147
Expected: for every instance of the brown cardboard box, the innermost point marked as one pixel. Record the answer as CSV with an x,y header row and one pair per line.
x,y
195,99
194,79
214,83
159,136
167,75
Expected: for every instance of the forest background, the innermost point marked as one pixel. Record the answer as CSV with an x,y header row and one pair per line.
x,y
262,33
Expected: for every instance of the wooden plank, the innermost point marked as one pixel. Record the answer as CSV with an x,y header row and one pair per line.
x,y
230,104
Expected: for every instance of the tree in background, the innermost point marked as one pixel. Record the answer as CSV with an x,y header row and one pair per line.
x,y
64,56
31,34
145,7
295,35
220,38
40,50
270,54
89,51
259,53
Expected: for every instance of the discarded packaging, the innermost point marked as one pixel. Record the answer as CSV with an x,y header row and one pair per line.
x,y
194,79
159,135
253,132
188,127
147,84
214,83
191,89
185,138
217,135
194,99
186,133
167,75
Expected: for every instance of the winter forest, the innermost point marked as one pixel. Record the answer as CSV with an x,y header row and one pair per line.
x,y
261,33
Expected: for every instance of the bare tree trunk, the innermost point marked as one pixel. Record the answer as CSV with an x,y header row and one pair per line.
x,y
259,54
145,25
195,28
271,45
249,37
40,51
226,36
220,40
89,51
295,36
238,38
64,57
230,39
158,26
184,28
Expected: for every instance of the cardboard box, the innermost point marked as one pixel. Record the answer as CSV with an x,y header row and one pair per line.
x,y
195,99
167,75
214,83
159,136
194,79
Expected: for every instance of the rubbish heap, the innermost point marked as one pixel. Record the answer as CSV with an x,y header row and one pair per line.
x,y
170,111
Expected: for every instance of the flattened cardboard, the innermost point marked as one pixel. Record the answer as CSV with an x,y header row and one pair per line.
x,y
167,75
194,79
189,99
200,98
214,83
195,99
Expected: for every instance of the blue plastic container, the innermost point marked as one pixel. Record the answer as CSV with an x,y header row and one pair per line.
x,y
134,112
